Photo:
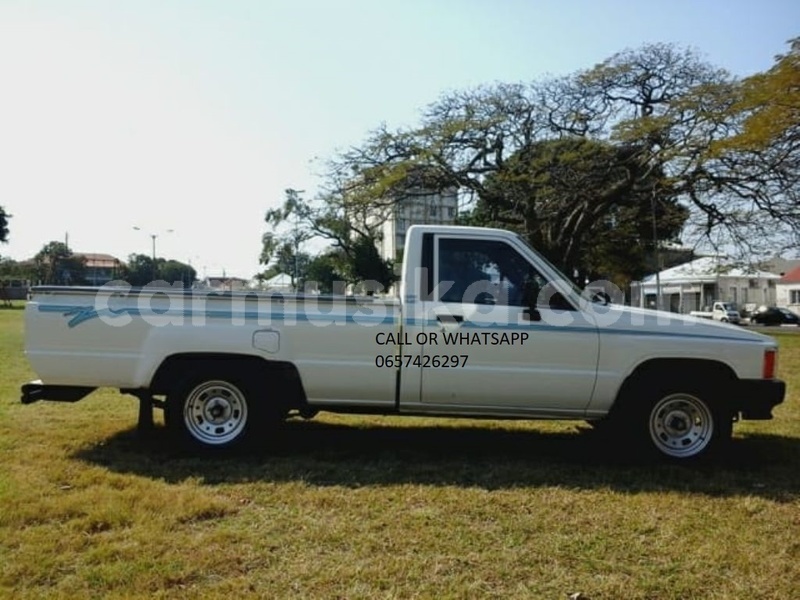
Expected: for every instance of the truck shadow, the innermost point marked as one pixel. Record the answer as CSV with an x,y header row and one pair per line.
x,y
324,454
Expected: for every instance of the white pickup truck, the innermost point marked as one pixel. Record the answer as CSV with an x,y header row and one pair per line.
x,y
724,312
483,327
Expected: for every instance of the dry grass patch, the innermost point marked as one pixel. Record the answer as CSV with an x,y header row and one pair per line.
x,y
358,507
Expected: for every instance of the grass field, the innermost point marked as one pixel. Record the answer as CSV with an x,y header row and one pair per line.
x,y
350,507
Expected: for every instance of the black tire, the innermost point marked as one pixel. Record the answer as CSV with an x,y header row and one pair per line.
x,y
216,409
678,423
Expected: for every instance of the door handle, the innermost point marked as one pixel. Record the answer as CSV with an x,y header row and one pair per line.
x,y
450,318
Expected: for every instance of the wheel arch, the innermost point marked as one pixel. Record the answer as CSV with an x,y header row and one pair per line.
x,y
651,371
635,415
174,368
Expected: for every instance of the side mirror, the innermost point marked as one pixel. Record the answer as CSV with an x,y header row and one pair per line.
x,y
530,293
601,298
530,299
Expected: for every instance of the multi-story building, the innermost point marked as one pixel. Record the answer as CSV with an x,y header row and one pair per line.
x,y
417,206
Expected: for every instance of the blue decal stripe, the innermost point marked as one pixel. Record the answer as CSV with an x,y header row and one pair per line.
x,y
81,314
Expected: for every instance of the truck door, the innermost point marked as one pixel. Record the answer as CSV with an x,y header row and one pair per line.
x,y
487,350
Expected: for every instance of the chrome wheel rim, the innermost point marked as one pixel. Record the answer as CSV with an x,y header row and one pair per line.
x,y
681,425
215,413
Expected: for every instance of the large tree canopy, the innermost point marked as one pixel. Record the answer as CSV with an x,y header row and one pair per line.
x,y
597,169
583,163
588,205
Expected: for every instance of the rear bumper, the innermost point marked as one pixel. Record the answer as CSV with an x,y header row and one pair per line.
x,y
755,398
36,390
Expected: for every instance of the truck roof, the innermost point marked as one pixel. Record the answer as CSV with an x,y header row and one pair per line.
x,y
464,229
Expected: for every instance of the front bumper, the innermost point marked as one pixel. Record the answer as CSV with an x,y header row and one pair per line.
x,y
755,398
36,390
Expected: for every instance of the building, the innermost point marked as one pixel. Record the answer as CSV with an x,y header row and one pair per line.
x,y
99,269
227,284
697,284
279,283
417,206
787,290
780,266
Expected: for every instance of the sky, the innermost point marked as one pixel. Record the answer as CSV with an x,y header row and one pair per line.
x,y
188,119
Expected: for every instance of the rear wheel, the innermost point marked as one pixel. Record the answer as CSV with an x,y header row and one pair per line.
x,y
216,410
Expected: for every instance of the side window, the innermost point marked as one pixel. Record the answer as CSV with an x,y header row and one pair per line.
x,y
484,272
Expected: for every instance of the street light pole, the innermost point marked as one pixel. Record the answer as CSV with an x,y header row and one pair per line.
x,y
656,253
153,236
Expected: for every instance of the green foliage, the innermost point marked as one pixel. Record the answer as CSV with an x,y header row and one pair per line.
x,y
56,265
12,269
285,260
325,271
582,164
141,271
604,143
346,218
293,220
366,267
4,217
173,271
769,104
588,205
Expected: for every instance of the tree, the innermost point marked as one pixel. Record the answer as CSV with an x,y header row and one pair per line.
x,y
586,204
678,110
366,267
286,261
758,166
56,265
325,271
173,271
769,107
12,269
345,217
655,113
4,217
139,270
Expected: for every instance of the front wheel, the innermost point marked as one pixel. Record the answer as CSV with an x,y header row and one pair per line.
x,y
684,425
674,423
